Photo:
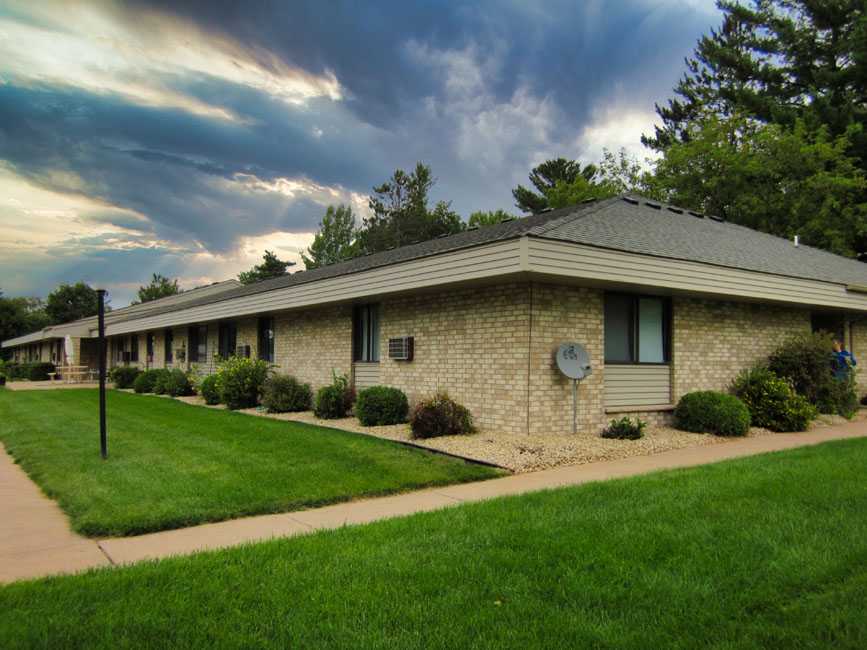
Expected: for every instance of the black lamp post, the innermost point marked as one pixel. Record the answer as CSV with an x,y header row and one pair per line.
x,y
103,440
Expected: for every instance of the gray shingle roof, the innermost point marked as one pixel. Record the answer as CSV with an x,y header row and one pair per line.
x,y
632,224
626,223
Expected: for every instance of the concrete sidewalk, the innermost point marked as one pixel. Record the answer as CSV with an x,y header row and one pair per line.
x,y
40,543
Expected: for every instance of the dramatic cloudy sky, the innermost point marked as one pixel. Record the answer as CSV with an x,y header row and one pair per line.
x,y
185,138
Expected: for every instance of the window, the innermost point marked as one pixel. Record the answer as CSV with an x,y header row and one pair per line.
x,y
227,339
266,339
365,333
637,329
198,336
150,346
133,348
169,340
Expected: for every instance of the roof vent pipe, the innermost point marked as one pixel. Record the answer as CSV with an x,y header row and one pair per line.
x,y
797,241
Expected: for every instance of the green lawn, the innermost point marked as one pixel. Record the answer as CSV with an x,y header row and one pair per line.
x,y
765,552
172,465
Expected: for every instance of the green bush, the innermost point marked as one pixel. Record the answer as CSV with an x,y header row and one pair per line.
x,y
772,401
625,429
161,376
124,376
284,394
144,382
39,370
806,361
209,389
334,401
2,380
440,416
380,405
240,381
708,411
177,383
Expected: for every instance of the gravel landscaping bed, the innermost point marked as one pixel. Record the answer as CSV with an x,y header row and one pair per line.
x,y
523,453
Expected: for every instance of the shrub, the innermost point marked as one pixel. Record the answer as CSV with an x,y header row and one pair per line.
x,y
806,362
210,390
144,382
39,370
334,401
177,383
379,405
772,401
283,394
440,415
2,380
240,381
708,411
124,376
625,429
161,376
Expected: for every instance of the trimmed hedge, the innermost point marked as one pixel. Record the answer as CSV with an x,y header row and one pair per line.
x,y
161,376
240,380
334,401
34,371
772,401
177,383
124,376
144,382
285,394
708,411
209,389
806,361
625,429
438,416
381,405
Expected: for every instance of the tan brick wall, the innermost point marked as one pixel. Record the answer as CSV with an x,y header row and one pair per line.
x,y
248,331
564,314
714,340
858,347
309,344
471,343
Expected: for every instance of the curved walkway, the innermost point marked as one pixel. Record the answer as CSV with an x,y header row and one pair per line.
x,y
35,539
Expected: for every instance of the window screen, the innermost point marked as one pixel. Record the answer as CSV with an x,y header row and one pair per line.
x,y
169,338
365,333
637,329
228,338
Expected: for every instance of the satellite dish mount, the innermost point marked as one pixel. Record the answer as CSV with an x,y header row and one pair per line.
x,y
574,362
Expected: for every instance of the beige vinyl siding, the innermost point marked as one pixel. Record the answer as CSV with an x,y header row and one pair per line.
x,y
637,385
366,374
493,260
604,266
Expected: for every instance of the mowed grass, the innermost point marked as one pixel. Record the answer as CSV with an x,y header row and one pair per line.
x,y
172,465
765,552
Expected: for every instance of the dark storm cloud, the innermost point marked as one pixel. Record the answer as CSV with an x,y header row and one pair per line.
x,y
479,90
174,167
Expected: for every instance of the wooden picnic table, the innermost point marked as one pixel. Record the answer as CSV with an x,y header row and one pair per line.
x,y
74,374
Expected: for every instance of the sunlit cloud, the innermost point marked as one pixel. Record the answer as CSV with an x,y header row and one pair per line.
x,y
141,57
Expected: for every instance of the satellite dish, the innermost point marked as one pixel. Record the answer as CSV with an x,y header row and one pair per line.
x,y
573,361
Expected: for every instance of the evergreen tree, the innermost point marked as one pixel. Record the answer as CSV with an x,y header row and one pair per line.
x,y
159,287
401,215
70,302
336,240
271,267
776,61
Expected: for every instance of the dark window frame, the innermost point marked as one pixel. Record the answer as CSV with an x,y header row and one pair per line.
x,y
634,329
149,346
133,348
366,333
266,335
197,343
168,342
227,339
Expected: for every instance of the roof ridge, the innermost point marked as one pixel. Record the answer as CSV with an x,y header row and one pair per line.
x,y
576,212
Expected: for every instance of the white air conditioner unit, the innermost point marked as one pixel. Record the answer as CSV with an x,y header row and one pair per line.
x,y
243,351
400,348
